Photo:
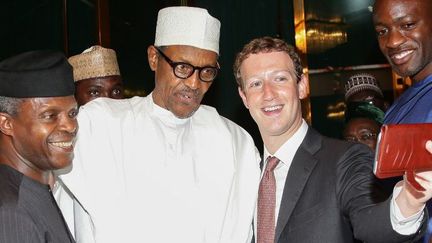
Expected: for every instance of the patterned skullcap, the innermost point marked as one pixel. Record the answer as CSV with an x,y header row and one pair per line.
x,y
187,26
33,74
94,62
360,82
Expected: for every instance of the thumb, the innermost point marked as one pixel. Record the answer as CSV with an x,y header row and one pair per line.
x,y
429,146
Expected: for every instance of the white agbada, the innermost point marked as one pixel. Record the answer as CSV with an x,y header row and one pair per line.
x,y
144,175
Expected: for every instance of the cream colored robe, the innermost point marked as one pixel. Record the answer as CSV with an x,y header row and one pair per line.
x,y
144,175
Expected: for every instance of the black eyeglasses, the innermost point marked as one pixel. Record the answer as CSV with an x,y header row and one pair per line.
x,y
184,70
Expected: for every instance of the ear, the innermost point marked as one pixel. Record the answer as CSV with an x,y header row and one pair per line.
x,y
243,97
152,56
6,126
303,87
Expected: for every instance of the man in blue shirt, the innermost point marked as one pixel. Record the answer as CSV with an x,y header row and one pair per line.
x,y
404,34
404,31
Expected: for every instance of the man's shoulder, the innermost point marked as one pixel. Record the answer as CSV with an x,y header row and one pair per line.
x,y
106,107
10,179
333,146
9,190
113,104
212,116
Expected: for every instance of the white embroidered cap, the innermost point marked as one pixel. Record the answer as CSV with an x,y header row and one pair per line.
x,y
359,82
94,62
187,26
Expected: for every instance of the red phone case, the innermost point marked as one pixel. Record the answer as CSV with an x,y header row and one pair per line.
x,y
401,148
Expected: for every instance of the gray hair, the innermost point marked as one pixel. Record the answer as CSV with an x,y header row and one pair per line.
x,y
10,105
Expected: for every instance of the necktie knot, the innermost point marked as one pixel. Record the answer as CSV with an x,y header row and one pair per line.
x,y
272,162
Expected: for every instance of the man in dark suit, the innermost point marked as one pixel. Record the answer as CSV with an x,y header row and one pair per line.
x,y
37,134
314,188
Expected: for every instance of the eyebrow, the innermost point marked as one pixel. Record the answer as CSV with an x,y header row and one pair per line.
x,y
275,72
183,60
95,85
398,19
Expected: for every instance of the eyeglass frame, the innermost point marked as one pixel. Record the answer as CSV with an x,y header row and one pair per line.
x,y
366,137
175,64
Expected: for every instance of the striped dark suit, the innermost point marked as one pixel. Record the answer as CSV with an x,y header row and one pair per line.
x,y
28,211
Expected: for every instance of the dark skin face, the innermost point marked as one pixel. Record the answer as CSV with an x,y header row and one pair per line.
x,y
404,33
41,137
90,89
180,96
363,130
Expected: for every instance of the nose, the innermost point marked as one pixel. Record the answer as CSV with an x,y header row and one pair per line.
x,y
394,39
69,124
193,82
105,93
268,91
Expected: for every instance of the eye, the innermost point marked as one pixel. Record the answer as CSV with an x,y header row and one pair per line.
x,y
281,78
209,71
48,116
183,67
73,113
94,92
255,84
117,91
381,31
408,26
368,136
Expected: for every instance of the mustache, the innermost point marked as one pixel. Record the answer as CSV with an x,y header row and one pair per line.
x,y
64,136
193,93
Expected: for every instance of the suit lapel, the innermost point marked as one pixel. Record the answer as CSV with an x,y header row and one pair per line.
x,y
298,174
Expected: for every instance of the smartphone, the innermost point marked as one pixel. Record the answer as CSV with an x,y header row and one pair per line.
x,y
401,148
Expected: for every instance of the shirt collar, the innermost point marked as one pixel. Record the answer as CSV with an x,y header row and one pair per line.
x,y
287,151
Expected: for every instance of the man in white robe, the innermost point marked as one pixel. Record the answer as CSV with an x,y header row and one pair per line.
x,y
165,168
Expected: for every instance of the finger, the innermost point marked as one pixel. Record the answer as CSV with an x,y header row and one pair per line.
x,y
424,179
429,146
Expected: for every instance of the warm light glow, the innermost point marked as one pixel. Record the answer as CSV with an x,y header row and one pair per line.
x,y
300,37
300,27
336,115
324,35
336,111
315,34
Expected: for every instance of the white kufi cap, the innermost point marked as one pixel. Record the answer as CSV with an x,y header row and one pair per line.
x,y
187,26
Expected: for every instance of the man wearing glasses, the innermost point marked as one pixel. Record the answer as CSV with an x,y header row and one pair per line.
x,y
164,168
363,121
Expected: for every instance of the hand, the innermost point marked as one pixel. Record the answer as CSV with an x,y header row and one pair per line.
x,y
410,200
429,146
